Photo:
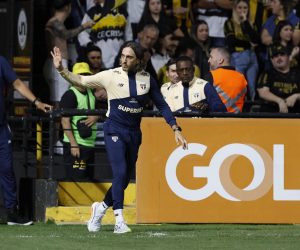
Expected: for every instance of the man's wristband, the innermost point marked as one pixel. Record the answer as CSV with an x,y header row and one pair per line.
x,y
177,129
36,100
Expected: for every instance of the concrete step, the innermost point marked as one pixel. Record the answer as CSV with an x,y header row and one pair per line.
x,y
81,214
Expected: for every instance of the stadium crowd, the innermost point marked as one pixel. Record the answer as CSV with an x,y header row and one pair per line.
x,y
259,39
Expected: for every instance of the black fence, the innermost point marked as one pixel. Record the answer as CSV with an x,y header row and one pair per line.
x,y
33,140
35,149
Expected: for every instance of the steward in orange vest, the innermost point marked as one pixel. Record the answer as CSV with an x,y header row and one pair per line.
x,y
231,86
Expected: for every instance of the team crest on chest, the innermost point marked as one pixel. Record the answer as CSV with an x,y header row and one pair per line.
x,y
115,138
120,85
196,95
143,86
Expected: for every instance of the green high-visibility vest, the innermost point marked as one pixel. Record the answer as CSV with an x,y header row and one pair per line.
x,y
84,101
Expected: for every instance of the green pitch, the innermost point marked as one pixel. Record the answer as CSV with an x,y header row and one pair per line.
x,y
167,236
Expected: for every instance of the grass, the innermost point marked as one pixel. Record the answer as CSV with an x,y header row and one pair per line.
x,y
166,236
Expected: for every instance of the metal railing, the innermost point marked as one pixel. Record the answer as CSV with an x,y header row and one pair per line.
x,y
35,134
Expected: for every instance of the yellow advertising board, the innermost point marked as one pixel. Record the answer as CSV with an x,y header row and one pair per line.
x,y
234,171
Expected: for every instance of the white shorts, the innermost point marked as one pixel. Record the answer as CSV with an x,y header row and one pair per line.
x,y
57,84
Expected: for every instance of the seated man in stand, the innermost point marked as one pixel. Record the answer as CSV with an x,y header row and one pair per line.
x,y
280,86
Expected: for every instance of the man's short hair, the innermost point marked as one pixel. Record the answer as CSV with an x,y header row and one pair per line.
x,y
58,4
151,27
91,47
224,52
185,59
170,62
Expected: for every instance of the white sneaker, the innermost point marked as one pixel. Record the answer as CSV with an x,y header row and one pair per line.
x,y
94,224
121,228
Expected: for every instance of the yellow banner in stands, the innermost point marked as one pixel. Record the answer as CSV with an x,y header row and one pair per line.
x,y
235,171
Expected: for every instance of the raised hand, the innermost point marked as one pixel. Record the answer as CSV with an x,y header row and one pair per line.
x,y
57,59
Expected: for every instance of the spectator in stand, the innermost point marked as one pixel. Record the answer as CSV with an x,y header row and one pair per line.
x,y
57,35
80,130
9,79
280,86
108,32
79,8
93,57
181,11
215,13
241,37
281,10
296,35
147,38
155,14
185,48
284,35
230,84
166,47
199,34
192,93
259,12
135,10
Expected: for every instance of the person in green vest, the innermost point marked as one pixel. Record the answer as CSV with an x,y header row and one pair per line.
x,y
80,130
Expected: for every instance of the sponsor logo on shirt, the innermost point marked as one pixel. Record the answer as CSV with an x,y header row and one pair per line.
x,y
133,100
130,110
115,138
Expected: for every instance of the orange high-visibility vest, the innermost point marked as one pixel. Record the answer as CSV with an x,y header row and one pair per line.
x,y
231,86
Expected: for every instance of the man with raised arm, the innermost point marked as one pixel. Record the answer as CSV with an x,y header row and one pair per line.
x,y
128,89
